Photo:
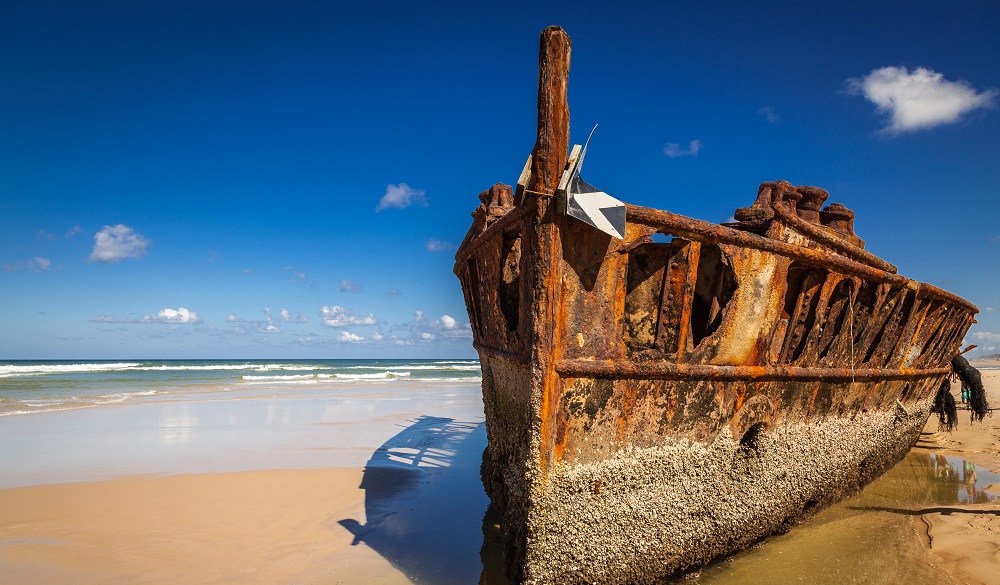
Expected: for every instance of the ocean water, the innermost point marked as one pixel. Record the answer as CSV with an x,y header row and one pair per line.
x,y
28,387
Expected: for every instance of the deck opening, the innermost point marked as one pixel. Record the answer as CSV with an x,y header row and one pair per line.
x,y
510,280
644,290
715,286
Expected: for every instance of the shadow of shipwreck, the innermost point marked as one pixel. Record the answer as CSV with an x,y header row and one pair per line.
x,y
424,502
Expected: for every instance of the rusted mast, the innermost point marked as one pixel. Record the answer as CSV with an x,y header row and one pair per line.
x,y
548,161
552,142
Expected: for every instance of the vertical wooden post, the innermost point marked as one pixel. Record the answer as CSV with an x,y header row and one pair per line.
x,y
552,143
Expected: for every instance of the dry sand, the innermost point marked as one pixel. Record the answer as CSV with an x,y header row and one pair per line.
x,y
966,539
243,527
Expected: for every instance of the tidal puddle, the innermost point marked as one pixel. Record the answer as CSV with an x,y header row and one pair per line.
x,y
874,537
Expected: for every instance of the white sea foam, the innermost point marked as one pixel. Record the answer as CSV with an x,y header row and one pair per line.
x,y
291,378
39,405
253,367
386,375
456,367
13,370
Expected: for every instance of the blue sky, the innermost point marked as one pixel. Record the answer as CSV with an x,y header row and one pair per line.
x,y
289,179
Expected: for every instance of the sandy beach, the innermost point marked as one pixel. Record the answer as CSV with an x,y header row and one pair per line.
x,y
320,491
338,491
966,539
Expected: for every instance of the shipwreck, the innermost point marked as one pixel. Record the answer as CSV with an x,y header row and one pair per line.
x,y
653,405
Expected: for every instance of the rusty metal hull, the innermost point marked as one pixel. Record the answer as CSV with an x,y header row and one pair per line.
x,y
652,405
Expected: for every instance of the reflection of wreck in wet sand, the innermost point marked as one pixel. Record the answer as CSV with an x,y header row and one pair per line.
x,y
414,484
651,406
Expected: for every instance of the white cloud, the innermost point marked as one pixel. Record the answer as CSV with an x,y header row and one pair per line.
x,y
988,342
918,100
401,196
376,336
438,245
674,150
337,316
352,287
117,243
232,318
348,337
446,327
284,315
178,315
984,337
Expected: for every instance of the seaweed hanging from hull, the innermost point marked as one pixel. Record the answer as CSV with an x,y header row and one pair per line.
x,y
944,406
972,380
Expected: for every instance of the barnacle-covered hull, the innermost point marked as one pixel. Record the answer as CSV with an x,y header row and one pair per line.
x,y
652,405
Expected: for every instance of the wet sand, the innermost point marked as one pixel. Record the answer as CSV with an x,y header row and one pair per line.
x,y
965,539
375,489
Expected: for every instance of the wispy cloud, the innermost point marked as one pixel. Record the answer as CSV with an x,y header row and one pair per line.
x,y
268,325
296,275
44,235
918,100
176,316
393,292
117,243
401,196
232,318
35,264
674,150
768,113
349,286
286,316
438,245
337,316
